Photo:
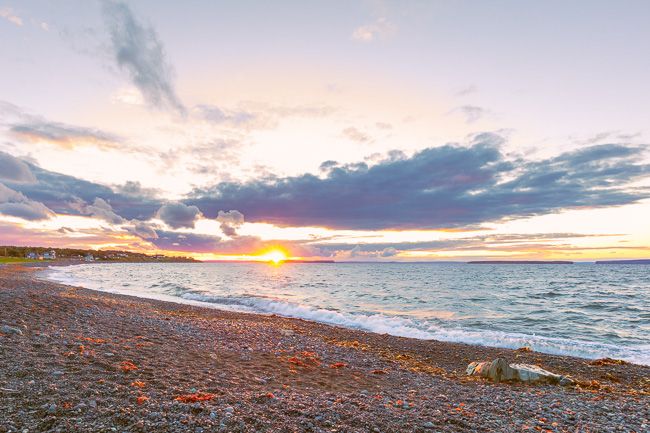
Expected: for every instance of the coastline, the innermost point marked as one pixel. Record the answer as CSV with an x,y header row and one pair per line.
x,y
270,373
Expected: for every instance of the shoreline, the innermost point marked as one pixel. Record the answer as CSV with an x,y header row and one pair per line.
x,y
589,350
270,373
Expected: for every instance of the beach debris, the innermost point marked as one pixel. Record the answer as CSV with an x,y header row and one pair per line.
x,y
93,340
287,332
9,391
6,329
195,397
607,361
142,399
499,370
137,384
337,365
378,372
127,366
305,359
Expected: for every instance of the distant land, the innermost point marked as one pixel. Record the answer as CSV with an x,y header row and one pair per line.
x,y
624,262
73,254
520,262
266,261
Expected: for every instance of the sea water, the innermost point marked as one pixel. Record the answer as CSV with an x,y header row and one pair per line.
x,y
584,310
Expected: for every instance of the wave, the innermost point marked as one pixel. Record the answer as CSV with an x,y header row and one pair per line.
x,y
380,323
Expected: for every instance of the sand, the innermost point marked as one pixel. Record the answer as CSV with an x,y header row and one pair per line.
x,y
91,361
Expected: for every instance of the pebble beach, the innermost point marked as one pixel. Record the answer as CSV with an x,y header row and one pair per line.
x,y
76,360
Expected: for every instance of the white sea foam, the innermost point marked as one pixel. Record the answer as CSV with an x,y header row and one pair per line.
x,y
397,325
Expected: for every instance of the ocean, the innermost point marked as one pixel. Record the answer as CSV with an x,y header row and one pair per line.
x,y
584,310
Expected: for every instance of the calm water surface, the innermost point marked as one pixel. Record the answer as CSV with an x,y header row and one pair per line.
x,y
585,310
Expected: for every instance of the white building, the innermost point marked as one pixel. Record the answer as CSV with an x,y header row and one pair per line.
x,y
89,258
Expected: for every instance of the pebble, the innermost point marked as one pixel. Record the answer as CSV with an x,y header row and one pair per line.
x,y
428,424
57,373
6,329
51,408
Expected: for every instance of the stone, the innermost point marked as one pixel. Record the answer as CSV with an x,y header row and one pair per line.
x,y
6,329
499,370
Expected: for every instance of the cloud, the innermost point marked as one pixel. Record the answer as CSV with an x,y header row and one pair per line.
x,y
135,189
178,215
62,194
472,113
66,136
9,15
467,90
215,114
512,241
379,29
255,115
13,203
14,170
140,53
440,187
230,222
99,209
143,230
356,135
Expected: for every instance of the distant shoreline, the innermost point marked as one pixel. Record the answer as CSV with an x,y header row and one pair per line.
x,y
624,262
520,262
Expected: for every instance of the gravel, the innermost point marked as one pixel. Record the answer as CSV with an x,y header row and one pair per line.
x,y
125,364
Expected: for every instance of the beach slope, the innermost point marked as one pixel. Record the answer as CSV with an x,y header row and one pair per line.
x,y
72,359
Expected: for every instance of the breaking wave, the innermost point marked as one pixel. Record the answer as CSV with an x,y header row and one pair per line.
x,y
404,323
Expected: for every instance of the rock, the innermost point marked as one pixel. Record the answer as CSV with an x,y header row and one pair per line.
x,y
428,425
57,373
92,403
6,329
51,408
499,370
286,332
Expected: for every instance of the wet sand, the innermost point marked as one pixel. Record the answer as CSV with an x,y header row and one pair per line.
x,y
90,361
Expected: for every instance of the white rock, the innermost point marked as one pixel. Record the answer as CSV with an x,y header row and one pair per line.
x,y
499,370
6,329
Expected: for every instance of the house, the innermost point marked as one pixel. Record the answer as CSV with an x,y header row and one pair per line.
x,y
49,255
31,255
89,258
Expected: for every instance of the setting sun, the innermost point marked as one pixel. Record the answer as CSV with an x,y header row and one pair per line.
x,y
274,256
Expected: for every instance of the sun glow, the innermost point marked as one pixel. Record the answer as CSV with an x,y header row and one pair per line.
x,y
274,256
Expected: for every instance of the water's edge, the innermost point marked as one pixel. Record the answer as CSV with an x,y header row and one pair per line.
x,y
377,323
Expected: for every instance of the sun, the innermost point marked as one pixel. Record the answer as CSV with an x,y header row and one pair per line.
x,y
274,256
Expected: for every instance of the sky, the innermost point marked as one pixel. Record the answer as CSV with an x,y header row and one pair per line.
x,y
351,131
